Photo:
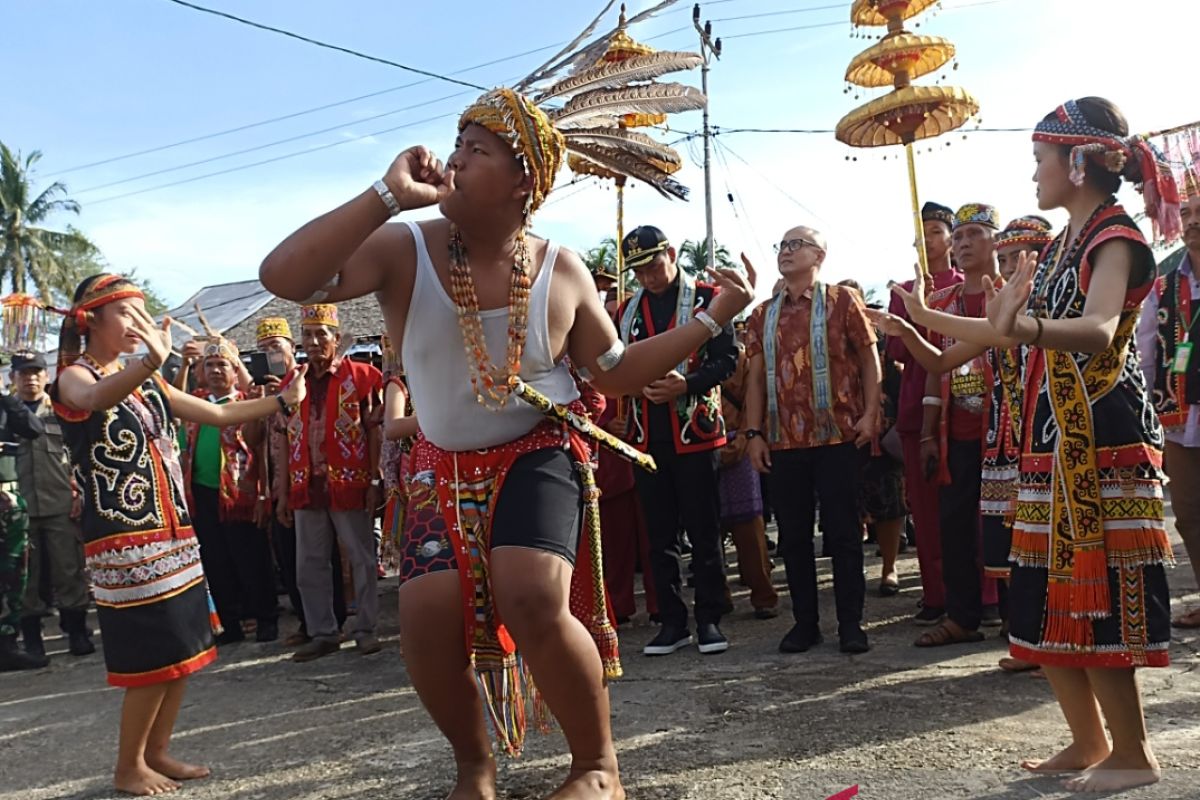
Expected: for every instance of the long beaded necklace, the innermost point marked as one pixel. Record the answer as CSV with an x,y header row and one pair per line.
x,y
1061,259
488,381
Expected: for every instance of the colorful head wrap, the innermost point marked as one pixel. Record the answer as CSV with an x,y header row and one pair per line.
x,y
1098,147
934,212
1032,231
977,214
220,347
320,314
528,131
99,290
272,328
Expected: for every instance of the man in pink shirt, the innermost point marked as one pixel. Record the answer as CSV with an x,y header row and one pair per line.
x,y
922,490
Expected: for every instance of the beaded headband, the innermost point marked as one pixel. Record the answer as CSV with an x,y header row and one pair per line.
x,y
1030,231
1095,146
104,289
977,214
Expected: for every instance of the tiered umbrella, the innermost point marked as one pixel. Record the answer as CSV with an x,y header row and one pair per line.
x,y
907,113
625,64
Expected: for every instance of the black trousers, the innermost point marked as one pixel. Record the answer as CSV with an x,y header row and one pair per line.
x,y
237,562
798,479
283,538
684,490
958,509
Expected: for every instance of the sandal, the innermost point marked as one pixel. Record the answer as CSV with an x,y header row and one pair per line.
x,y
1188,621
889,587
944,635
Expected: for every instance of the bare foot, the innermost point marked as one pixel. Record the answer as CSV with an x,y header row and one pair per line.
x,y
1075,758
142,781
176,769
476,781
1117,773
590,785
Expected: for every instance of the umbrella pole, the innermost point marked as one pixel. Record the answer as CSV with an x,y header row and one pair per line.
x,y
918,223
620,416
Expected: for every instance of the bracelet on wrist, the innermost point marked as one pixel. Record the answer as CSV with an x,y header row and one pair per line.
x,y
149,364
925,439
932,401
1038,335
389,199
714,328
283,406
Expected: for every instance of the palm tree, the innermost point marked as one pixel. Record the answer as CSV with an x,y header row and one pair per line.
x,y
603,255
693,256
29,253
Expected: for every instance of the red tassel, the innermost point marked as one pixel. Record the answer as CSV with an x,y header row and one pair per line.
x,y
1089,584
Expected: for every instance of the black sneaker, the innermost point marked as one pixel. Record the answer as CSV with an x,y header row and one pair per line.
x,y
929,616
991,617
800,639
669,640
853,639
766,613
710,640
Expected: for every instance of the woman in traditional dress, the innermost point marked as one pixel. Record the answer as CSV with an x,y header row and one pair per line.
x,y
1089,599
151,597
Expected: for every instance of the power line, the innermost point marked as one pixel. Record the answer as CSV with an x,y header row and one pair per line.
x,y
271,160
256,148
295,114
326,45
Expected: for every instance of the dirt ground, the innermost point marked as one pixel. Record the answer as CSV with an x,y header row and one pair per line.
x,y
897,722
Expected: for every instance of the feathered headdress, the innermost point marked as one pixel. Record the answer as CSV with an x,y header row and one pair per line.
x,y
587,114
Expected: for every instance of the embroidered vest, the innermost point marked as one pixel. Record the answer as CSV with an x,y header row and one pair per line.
x,y
127,461
239,490
697,423
347,453
1175,391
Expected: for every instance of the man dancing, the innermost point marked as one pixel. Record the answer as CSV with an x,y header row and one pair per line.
x,y
494,513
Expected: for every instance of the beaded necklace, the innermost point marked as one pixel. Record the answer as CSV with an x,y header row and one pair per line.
x,y
1060,259
488,381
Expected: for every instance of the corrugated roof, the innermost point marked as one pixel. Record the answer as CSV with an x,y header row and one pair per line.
x,y
224,306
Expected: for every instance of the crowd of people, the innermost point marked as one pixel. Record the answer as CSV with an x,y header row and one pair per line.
x,y
1008,408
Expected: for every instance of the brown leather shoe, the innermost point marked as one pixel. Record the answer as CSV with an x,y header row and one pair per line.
x,y
317,648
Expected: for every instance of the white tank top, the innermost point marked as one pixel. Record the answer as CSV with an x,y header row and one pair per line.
x,y
436,362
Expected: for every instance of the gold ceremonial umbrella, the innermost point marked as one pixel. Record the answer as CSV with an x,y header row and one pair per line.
x,y
907,113
899,53
875,13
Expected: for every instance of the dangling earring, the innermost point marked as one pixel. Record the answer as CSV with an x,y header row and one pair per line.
x,y
528,205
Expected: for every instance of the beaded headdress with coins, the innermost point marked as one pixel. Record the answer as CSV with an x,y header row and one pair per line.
x,y
584,113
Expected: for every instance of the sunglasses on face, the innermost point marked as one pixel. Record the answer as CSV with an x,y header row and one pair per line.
x,y
792,245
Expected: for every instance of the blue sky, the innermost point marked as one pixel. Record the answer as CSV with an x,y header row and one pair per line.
x,y
100,80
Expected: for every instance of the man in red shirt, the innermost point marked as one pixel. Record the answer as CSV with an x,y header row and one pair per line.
x,y
953,428
919,488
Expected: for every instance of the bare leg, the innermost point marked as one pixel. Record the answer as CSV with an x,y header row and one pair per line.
x,y
1131,762
157,757
431,631
138,712
531,592
888,533
1088,743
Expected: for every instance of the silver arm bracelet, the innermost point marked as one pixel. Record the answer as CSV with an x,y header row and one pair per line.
x,y
714,327
389,199
610,358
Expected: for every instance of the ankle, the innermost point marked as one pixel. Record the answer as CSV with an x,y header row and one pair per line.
x,y
606,764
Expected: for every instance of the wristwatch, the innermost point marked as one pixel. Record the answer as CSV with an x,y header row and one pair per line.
x,y
752,433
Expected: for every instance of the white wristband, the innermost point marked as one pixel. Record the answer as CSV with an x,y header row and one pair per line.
x,y
389,199
714,328
930,400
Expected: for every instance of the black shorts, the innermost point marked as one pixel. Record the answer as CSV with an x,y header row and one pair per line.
x,y
540,507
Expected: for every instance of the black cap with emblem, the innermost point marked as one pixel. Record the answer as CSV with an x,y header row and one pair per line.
x,y
642,245
27,360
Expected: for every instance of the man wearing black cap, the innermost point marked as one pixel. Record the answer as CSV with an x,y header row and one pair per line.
x,y
920,489
678,420
55,545
15,423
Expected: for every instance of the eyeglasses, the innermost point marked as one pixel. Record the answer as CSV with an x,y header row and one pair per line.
x,y
792,245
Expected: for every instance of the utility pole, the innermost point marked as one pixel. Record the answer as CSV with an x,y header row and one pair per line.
x,y
709,49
